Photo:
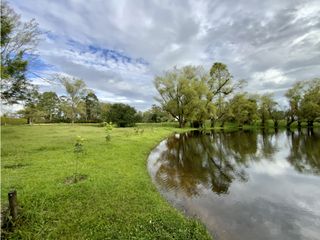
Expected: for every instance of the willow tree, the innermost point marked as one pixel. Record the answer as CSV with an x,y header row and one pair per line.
x,y
183,94
294,96
310,103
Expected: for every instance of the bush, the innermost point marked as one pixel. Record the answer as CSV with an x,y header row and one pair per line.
x,y
122,114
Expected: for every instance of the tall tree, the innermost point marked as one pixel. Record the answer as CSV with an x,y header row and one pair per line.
x,y
49,103
182,92
18,41
76,90
32,111
220,85
310,103
294,96
92,106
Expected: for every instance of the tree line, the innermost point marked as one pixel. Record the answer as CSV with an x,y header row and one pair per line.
x,y
80,104
192,95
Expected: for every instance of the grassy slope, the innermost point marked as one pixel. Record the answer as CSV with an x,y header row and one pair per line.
x,y
117,201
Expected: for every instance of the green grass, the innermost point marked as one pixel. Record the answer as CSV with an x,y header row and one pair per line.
x,y
118,199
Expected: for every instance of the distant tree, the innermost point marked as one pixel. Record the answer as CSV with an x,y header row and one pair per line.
x,y
76,90
18,41
243,109
65,110
49,103
266,105
92,106
294,96
155,114
310,103
122,114
32,111
104,111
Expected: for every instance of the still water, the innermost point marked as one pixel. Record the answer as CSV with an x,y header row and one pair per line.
x,y
243,185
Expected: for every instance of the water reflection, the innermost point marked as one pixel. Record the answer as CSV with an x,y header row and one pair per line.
x,y
244,185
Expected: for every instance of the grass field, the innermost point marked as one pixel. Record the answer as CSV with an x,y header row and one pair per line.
x,y
116,201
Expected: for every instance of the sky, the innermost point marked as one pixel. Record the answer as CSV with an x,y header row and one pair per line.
x,y
118,47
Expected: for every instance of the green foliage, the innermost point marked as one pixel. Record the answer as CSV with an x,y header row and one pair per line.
x,y
92,106
18,40
122,114
304,103
243,109
310,103
267,108
49,104
108,129
183,93
76,90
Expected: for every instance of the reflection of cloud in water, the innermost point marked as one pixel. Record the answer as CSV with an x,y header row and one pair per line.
x,y
241,184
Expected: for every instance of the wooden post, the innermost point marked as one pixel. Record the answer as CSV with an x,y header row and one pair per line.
x,y
13,206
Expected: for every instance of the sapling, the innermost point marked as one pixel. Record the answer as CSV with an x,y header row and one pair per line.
x,y
79,151
108,129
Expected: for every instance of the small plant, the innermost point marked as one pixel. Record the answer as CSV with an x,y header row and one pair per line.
x,y
78,151
108,129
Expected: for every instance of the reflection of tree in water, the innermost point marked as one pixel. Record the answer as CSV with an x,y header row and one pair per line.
x,y
304,151
268,147
214,160
181,165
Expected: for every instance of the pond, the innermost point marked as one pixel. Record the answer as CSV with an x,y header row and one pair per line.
x,y
243,185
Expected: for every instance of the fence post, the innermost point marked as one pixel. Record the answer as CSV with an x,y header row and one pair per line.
x,y
13,206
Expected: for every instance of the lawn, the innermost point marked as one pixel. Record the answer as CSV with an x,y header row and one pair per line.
x,y
117,200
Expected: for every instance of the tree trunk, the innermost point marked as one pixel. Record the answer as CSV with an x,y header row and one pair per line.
x,y
310,124
276,124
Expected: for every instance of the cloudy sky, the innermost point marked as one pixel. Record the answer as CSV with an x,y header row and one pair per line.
x,y
118,46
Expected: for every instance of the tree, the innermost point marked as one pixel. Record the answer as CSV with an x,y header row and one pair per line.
x,y
92,107
310,103
243,109
76,90
266,107
18,41
32,111
182,93
155,114
49,103
294,96
220,85
104,111
65,110
122,114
